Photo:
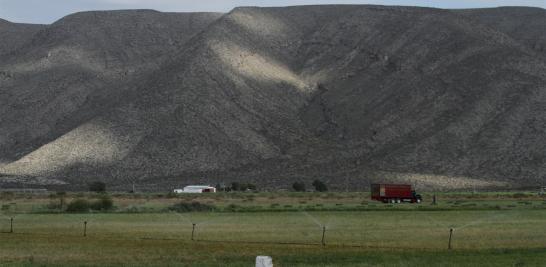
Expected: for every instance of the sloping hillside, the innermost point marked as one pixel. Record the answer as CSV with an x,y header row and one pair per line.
x,y
14,35
78,68
524,24
347,94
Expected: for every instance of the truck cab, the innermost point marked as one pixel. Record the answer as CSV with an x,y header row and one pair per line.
x,y
417,197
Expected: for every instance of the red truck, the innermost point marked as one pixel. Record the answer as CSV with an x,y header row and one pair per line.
x,y
394,193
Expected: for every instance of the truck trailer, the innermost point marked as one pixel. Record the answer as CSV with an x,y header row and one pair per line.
x,y
394,193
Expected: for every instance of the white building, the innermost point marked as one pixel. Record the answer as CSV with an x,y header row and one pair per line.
x,y
196,189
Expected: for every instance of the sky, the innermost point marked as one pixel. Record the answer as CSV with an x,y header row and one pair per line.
x,y
48,11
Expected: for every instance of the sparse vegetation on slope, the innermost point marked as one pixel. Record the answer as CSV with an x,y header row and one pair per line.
x,y
268,96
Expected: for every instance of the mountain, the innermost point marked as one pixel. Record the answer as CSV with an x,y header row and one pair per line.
x,y
72,71
524,24
349,94
14,35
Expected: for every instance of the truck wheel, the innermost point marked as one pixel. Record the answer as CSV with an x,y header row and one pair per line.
x,y
418,201
398,200
393,201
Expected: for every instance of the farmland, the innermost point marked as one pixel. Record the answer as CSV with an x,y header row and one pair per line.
x,y
490,229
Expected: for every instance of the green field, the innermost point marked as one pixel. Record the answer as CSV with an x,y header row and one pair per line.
x,y
488,231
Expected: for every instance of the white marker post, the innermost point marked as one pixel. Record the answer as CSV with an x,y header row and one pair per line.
x,y
264,261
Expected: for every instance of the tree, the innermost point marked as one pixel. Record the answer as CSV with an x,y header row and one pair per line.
x,y
104,203
235,186
320,186
61,195
98,187
220,188
299,187
78,205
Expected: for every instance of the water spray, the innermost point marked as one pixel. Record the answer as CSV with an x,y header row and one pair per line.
x,y
472,223
319,224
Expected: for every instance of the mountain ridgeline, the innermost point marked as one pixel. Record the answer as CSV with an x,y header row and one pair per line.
x,y
348,94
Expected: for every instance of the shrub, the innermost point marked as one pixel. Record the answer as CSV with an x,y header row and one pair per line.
x,y
220,188
53,205
232,207
320,186
235,186
98,187
298,187
191,206
7,195
78,205
104,203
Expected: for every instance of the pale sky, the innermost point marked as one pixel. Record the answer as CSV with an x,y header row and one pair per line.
x,y
48,11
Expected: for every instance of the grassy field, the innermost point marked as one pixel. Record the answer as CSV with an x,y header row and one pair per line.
x,y
489,230
278,201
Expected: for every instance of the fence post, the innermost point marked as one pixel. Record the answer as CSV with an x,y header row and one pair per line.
x,y
85,228
450,234
192,231
11,225
323,232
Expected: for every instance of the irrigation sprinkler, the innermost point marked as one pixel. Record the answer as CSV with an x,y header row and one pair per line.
x,y
85,228
11,225
323,233
450,234
192,230
319,224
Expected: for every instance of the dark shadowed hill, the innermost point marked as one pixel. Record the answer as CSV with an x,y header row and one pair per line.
x,y
524,24
346,94
13,35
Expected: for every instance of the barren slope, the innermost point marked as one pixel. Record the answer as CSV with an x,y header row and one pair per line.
x,y
78,68
270,95
13,35
525,24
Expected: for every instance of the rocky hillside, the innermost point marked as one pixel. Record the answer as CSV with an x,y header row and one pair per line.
x,y
14,35
346,94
